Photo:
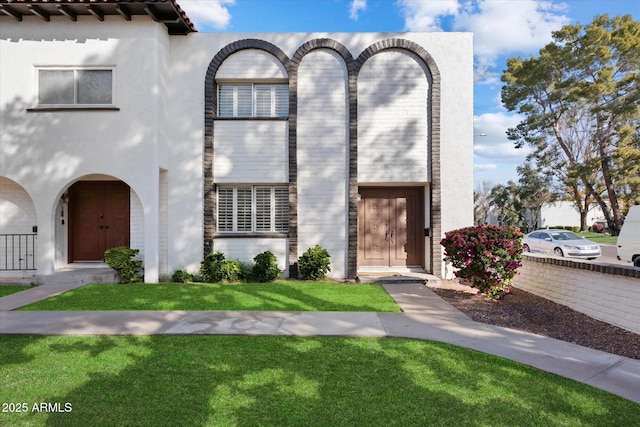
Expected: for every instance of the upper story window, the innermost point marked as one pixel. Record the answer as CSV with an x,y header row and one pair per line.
x,y
76,87
253,100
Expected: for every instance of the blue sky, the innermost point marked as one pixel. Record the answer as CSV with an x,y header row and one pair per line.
x,y
502,29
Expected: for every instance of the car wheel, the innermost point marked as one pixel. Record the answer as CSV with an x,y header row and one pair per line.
x,y
558,252
526,248
636,262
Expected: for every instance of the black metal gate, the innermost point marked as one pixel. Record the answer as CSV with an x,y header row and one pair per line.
x,y
18,252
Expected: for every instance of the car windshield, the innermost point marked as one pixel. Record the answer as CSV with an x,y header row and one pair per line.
x,y
565,235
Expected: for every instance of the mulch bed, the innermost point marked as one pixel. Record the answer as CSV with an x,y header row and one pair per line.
x,y
527,312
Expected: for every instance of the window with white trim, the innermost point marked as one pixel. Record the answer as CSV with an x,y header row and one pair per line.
x,y
253,209
253,100
77,87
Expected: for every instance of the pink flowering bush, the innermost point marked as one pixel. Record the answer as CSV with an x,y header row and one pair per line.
x,y
486,256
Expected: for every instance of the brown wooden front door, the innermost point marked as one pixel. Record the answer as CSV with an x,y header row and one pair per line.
x,y
390,227
99,218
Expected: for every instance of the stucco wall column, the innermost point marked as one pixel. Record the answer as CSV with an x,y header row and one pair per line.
x,y
151,235
46,250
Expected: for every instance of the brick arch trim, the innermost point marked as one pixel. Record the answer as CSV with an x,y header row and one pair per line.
x,y
434,133
340,49
210,112
321,44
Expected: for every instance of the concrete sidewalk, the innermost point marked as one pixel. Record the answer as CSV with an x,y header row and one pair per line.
x,y
425,316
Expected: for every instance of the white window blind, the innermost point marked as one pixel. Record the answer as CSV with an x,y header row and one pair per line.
x,y
253,209
281,220
225,101
244,101
281,100
263,209
225,209
263,101
253,100
244,213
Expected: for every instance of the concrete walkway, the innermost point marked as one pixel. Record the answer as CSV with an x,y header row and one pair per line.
x,y
425,316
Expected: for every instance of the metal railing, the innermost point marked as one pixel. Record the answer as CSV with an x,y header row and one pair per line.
x,y
18,252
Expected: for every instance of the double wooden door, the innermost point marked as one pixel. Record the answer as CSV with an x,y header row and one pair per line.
x,y
99,218
390,227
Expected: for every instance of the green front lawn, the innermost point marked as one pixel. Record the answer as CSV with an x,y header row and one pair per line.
x,y
285,381
278,296
12,289
599,237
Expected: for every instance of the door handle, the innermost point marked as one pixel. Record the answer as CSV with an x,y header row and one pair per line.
x,y
391,236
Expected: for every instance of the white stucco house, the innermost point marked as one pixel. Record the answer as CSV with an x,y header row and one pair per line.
x,y
120,124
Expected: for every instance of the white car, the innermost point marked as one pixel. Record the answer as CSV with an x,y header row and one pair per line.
x,y
561,243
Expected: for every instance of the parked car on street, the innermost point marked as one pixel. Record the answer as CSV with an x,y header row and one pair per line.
x,y
561,243
601,226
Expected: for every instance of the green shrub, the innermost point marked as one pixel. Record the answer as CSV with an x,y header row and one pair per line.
x,y
575,229
120,259
181,276
215,268
314,263
487,256
265,268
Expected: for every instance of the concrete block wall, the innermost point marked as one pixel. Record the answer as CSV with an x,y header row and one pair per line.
x,y
323,169
245,249
251,152
604,292
393,146
251,64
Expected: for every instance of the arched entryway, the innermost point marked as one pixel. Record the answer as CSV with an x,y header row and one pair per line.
x,y
18,228
99,218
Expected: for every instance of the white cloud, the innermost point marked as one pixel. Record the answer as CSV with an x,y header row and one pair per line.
x,y
500,27
356,7
485,167
208,13
490,140
423,15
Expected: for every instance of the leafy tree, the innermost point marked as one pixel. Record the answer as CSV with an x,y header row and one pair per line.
x,y
627,159
580,100
482,202
507,200
533,192
520,203
581,199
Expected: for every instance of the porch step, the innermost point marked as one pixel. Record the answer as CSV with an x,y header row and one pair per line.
x,y
81,276
403,277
